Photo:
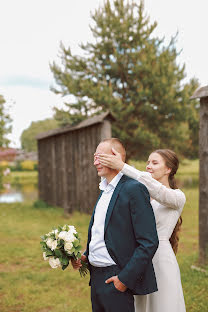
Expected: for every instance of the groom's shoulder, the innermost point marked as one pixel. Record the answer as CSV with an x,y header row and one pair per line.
x,y
134,185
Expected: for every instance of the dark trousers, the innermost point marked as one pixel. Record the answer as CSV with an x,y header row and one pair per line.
x,y
105,297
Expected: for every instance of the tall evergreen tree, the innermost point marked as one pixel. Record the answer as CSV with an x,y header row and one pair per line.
x,y
5,123
130,72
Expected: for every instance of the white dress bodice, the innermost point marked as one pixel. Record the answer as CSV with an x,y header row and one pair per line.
x,y
167,203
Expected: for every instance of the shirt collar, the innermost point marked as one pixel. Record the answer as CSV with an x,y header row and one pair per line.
x,y
106,187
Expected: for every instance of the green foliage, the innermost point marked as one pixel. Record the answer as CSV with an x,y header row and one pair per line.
x,y
1,178
28,137
4,164
192,151
16,166
28,165
5,128
5,123
132,73
40,204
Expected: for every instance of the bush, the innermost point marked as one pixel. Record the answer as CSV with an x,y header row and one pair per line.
x,y
40,204
27,165
4,164
36,166
16,166
1,178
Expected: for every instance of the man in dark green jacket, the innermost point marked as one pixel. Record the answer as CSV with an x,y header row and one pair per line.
x,y
122,239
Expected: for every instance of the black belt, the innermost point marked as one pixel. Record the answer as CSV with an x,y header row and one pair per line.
x,y
104,269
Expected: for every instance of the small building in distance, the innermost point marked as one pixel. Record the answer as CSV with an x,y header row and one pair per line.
x,y
23,155
8,154
67,177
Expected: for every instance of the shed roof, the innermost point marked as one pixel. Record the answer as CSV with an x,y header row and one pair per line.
x,y
200,93
85,123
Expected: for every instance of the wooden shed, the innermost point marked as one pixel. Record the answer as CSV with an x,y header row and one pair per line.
x,y
67,177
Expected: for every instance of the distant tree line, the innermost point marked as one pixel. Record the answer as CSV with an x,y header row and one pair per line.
x,y
28,136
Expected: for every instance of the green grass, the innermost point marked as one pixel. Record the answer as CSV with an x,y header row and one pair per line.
x,y
21,177
28,284
195,284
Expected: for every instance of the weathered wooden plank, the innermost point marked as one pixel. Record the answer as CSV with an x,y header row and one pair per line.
x,y
40,170
203,184
69,171
53,176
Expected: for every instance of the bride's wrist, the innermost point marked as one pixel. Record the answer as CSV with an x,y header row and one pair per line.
x,y
121,166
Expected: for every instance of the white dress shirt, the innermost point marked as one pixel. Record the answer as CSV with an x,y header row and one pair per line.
x,y
98,253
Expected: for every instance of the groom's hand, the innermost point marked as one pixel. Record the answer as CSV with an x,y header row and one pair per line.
x,y
77,263
117,283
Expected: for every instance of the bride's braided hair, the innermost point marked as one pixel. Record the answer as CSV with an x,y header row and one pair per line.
x,y
172,162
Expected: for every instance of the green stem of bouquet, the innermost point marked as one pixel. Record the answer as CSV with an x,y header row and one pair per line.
x,y
84,269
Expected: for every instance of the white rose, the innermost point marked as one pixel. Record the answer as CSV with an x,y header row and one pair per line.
x,y
52,244
68,246
54,263
44,256
70,238
72,229
62,235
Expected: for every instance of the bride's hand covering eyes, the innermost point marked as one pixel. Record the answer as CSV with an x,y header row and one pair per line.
x,y
113,161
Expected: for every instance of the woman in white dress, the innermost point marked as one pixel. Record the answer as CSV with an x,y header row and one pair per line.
x,y
167,202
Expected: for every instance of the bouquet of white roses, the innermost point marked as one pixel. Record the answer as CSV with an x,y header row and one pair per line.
x,y
60,246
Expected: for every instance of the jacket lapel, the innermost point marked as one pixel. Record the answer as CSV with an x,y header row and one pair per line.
x,y
92,218
113,201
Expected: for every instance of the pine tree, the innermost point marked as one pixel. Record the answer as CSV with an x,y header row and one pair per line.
x,y
130,72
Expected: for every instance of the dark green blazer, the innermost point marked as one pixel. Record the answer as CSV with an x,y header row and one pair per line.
x,y
130,235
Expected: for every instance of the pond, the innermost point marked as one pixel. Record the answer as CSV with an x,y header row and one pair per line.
x,y
19,193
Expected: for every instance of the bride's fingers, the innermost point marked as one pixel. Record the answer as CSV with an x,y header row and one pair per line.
x,y
106,156
104,163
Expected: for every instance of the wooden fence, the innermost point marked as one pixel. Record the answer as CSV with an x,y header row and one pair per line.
x,y
67,177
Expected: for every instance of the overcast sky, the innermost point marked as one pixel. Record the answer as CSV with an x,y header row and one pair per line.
x,y
31,31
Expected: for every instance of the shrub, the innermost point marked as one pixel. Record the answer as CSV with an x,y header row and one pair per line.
x,y
28,165
4,164
1,178
40,204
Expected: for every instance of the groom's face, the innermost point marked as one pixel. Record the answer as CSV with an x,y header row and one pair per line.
x,y
104,148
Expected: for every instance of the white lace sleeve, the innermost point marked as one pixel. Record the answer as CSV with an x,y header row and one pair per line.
x,y
172,198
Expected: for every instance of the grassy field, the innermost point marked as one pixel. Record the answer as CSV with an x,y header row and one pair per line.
x,y
28,284
22,177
